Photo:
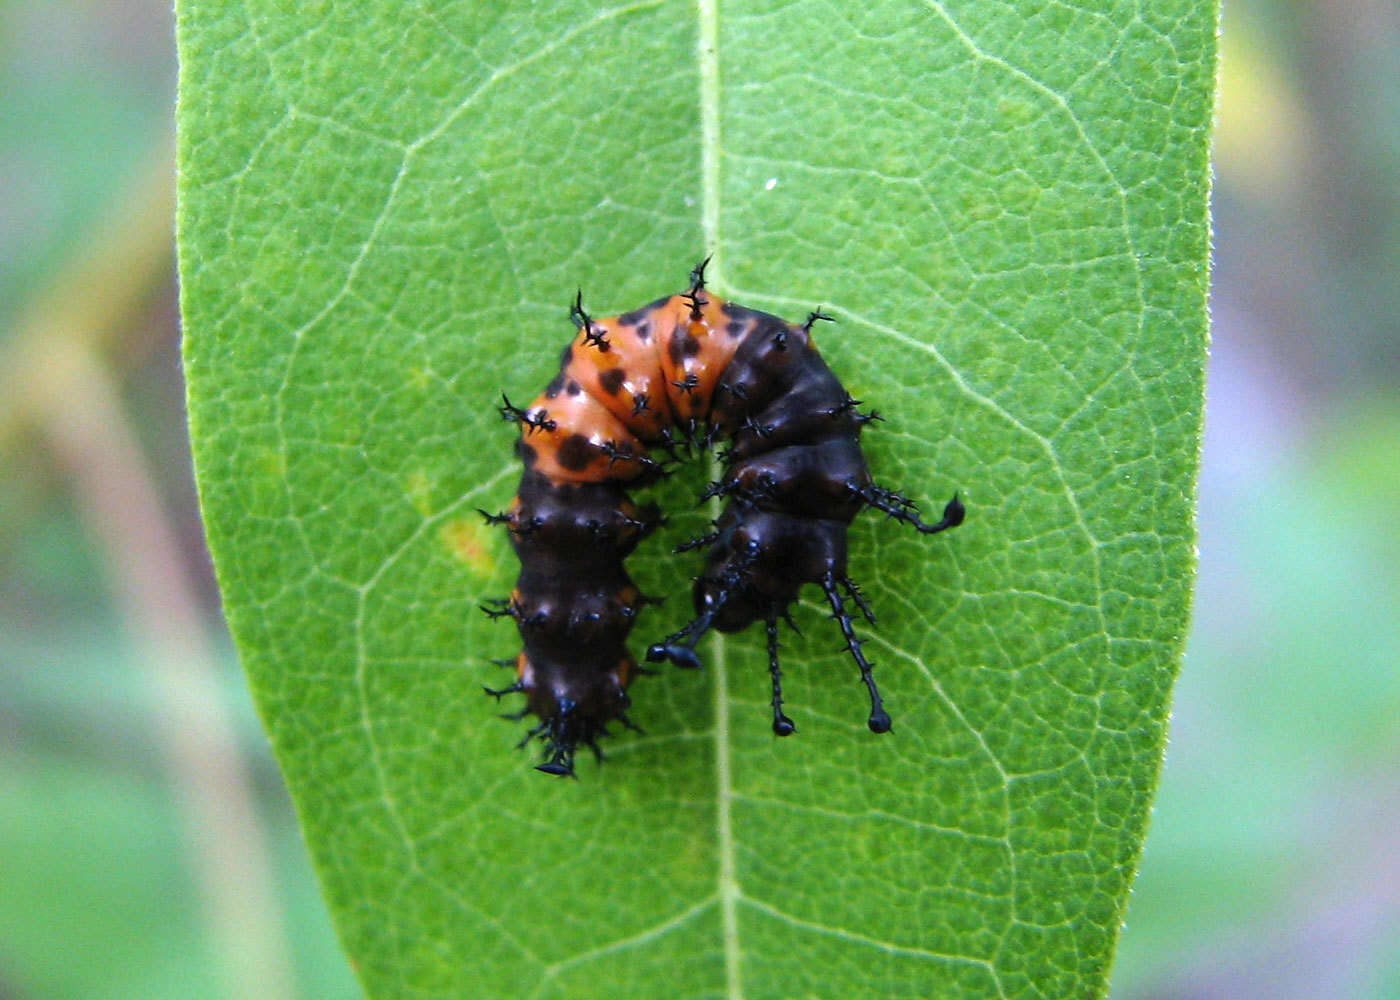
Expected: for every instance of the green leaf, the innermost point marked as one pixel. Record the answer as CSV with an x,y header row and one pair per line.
x,y
385,210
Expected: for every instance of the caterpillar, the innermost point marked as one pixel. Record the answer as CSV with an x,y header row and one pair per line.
x,y
685,371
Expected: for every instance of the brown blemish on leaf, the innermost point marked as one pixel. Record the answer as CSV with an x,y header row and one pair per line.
x,y
468,542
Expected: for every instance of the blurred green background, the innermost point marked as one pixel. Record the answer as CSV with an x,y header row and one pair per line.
x,y
146,846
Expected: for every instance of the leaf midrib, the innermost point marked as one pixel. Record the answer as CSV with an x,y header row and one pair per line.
x,y
707,58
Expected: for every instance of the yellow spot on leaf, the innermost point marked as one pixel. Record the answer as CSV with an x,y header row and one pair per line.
x,y
419,489
468,542
1014,112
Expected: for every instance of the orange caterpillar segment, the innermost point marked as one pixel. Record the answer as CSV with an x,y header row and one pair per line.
x,y
570,437
696,353
623,382
618,364
656,366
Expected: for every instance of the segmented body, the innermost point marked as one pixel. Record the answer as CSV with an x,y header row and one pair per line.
x,y
685,369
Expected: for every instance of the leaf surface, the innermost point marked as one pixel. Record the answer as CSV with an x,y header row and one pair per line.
x,y
385,210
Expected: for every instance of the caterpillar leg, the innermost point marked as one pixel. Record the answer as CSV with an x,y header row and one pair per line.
x,y
782,725
682,653
901,508
879,721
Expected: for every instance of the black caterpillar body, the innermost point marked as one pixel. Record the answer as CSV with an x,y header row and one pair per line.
x,y
684,370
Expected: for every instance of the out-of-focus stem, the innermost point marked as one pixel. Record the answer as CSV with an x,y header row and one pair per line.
x,y
58,382
95,296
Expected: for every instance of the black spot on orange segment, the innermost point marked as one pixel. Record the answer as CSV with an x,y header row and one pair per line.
x,y
734,328
526,453
573,388
575,452
551,391
644,332
611,380
683,345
